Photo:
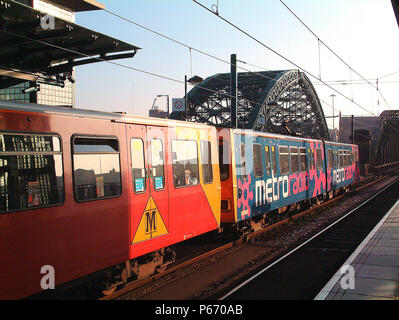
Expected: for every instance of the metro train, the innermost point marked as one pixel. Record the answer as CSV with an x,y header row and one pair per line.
x,y
85,192
273,173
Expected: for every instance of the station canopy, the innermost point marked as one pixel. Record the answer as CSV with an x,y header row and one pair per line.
x,y
35,46
80,5
395,5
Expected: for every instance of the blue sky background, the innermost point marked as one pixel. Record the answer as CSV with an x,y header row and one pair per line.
x,y
363,32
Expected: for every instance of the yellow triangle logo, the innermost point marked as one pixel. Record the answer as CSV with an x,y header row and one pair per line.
x,y
151,224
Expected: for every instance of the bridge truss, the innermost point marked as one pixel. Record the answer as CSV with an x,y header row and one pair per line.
x,y
281,101
388,142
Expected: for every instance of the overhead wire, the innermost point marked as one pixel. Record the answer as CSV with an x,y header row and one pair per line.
x,y
135,69
333,52
124,66
279,54
190,48
184,44
215,57
348,82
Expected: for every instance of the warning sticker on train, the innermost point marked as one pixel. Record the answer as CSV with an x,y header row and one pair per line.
x,y
151,224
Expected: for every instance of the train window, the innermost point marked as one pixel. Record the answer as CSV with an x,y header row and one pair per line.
x,y
345,156
284,160
294,159
258,161
335,162
96,168
312,159
319,159
206,158
138,165
223,160
185,163
31,172
274,160
341,159
157,164
330,159
268,166
242,168
303,159
348,157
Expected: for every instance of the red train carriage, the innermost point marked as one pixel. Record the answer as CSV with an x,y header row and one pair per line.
x,y
82,191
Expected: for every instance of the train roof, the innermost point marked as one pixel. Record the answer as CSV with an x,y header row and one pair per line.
x,y
280,136
134,119
273,135
94,114
340,144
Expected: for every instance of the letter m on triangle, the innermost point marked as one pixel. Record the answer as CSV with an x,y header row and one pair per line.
x,y
151,224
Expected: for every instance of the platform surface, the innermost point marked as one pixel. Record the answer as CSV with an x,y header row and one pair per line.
x,y
373,272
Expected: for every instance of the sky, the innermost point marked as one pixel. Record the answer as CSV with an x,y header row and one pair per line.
x,y
364,33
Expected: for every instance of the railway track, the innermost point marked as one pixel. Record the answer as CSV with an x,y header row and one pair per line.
x,y
135,285
303,271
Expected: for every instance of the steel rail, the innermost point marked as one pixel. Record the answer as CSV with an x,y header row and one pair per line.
x,y
137,284
303,244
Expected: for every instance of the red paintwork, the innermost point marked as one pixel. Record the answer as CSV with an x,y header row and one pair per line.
x,y
80,238
180,219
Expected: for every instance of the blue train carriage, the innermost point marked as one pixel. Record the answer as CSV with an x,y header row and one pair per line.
x,y
275,173
342,166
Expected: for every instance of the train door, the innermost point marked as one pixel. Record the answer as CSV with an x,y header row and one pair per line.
x,y
149,198
329,167
138,165
273,174
270,161
268,172
157,147
268,164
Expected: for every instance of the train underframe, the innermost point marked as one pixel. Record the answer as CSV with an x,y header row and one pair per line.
x,y
138,268
264,220
142,267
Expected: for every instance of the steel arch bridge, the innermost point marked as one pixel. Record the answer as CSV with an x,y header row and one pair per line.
x,y
281,101
388,143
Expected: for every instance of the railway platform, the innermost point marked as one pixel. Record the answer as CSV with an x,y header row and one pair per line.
x,y
372,271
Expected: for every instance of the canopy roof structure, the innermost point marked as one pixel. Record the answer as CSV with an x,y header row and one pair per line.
x,y
395,5
80,5
282,101
33,44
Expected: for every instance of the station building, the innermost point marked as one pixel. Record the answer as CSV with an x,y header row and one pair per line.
x,y
34,72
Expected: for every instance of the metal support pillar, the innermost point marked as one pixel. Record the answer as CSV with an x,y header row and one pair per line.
x,y
185,98
233,91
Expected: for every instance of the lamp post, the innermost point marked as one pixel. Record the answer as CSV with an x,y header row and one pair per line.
x,y
167,96
194,81
132,98
332,97
233,91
